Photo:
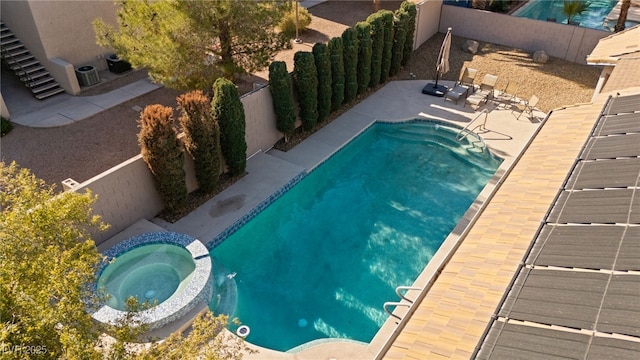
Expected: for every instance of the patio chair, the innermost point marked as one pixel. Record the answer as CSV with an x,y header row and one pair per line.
x,y
527,106
462,86
508,95
485,91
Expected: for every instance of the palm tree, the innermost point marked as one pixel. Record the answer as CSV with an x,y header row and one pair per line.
x,y
624,9
571,8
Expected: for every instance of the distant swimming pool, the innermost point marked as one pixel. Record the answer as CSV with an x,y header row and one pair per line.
x,y
321,260
593,18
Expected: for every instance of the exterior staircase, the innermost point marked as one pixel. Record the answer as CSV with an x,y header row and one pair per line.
x,y
26,66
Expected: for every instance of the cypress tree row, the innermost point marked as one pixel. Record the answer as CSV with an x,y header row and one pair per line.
x,y
161,150
337,72
282,95
363,29
202,137
387,24
399,37
410,9
230,113
305,77
350,58
323,67
377,45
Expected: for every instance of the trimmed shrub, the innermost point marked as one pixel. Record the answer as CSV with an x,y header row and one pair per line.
x,y
202,137
5,126
410,9
282,95
363,29
305,78
287,24
229,111
323,67
377,45
387,24
399,37
161,150
350,58
337,72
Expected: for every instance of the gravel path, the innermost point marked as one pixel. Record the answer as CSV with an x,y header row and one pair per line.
x,y
84,149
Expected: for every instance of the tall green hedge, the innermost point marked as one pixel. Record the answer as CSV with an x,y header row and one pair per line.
x,y
230,113
305,77
336,51
323,66
387,22
161,150
363,29
410,9
399,37
282,95
350,57
202,137
377,45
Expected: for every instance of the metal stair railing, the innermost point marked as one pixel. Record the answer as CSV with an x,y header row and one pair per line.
x,y
400,303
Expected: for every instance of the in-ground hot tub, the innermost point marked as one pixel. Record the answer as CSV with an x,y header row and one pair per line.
x,y
168,269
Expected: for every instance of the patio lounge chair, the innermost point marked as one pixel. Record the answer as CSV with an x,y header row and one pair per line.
x,y
462,86
485,92
527,106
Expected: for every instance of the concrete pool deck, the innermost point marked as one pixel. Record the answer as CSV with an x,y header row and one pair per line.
x,y
271,171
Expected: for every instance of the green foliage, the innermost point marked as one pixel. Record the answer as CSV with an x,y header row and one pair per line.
x,y
387,21
228,108
188,44
323,67
305,77
202,137
571,8
162,151
5,126
377,46
336,52
287,24
47,263
282,95
399,37
363,30
350,58
410,9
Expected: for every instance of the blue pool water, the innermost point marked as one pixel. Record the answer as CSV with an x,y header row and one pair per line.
x,y
593,18
321,260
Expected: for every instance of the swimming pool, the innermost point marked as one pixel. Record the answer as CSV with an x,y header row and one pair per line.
x,y
321,260
593,18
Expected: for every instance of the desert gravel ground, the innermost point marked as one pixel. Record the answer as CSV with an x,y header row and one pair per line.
x,y
86,148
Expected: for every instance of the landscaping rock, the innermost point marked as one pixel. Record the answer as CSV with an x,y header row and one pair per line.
x,y
471,46
540,57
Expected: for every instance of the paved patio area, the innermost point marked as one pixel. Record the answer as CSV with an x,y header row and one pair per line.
x,y
273,171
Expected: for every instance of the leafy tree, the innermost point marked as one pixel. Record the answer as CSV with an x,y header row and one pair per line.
x,y
572,8
305,77
387,22
377,45
162,151
350,57
622,18
288,22
47,262
202,137
399,37
228,108
410,9
337,72
282,95
323,67
188,44
363,29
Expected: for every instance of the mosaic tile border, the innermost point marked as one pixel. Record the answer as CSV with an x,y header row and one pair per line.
x,y
199,288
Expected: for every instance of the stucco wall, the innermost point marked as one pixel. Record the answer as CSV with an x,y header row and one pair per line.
x,y
261,131
427,21
563,41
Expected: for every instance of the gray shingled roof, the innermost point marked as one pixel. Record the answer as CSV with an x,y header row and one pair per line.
x,y
577,294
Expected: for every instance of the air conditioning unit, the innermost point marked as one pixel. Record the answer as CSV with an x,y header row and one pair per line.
x,y
87,75
117,65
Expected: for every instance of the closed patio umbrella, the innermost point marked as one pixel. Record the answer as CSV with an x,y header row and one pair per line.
x,y
442,67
